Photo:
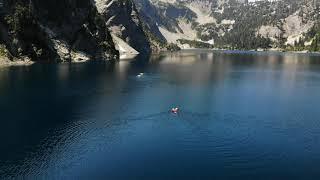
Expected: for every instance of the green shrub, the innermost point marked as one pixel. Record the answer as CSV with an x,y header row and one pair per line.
x,y
173,47
195,44
3,51
315,46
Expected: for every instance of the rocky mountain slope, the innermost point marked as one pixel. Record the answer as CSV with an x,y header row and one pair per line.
x,y
122,19
235,24
68,30
54,31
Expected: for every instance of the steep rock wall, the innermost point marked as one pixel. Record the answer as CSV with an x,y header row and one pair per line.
x,y
122,18
54,31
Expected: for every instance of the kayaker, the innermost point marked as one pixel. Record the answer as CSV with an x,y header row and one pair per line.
x,y
175,110
140,75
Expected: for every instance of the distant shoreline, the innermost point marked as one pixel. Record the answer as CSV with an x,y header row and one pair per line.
x,y
255,51
5,62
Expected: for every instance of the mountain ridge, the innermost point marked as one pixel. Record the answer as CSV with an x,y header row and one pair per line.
x,y
81,30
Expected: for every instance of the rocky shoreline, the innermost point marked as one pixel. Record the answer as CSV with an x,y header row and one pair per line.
x,y
5,62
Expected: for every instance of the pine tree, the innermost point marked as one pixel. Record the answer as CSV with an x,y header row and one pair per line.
x,y
315,43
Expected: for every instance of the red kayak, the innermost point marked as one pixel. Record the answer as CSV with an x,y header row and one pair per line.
x,y
175,110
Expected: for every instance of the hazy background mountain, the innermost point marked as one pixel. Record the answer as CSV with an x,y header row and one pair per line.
x,y
238,24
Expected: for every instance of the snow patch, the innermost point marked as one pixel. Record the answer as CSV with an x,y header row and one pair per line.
x,y
227,22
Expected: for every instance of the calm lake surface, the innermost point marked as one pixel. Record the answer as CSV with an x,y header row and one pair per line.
x,y
243,115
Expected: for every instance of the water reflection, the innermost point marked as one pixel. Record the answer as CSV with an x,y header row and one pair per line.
x,y
78,120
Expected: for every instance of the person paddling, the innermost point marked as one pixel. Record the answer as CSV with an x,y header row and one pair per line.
x,y
140,75
175,110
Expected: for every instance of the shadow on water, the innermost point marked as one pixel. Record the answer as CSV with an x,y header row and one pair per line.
x,y
41,97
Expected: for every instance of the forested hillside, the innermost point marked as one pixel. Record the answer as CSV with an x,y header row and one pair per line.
x,y
234,24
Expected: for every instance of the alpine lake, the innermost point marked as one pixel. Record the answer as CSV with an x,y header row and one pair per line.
x,y
243,115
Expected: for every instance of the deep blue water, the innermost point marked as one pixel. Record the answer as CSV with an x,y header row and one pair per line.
x,y
243,116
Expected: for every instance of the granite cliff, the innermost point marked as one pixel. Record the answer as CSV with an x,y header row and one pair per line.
x,y
54,31
122,19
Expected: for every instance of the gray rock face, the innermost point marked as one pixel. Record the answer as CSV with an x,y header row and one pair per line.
x,y
60,30
122,18
157,14
151,17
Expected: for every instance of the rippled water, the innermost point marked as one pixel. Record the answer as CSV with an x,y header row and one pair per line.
x,y
244,116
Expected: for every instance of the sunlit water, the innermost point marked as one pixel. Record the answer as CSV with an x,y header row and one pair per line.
x,y
243,116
